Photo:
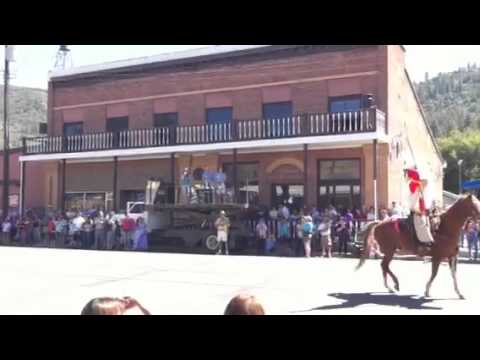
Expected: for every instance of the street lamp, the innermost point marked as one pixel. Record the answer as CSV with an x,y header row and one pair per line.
x,y
460,187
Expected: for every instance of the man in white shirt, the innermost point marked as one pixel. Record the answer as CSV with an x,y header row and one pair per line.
x,y
6,227
222,224
285,212
262,232
396,211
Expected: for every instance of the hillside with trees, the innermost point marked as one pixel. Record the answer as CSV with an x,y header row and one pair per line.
x,y
27,109
452,105
452,100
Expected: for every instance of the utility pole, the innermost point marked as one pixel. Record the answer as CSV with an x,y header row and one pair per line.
x,y
6,157
460,187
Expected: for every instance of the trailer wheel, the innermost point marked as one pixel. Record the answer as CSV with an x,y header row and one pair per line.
x,y
211,243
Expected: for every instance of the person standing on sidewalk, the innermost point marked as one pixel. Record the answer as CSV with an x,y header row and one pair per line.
x,y
307,235
6,226
222,225
325,230
99,233
61,229
51,232
128,227
261,231
140,238
343,236
109,232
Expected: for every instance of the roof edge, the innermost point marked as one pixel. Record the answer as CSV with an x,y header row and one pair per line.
x,y
175,58
163,58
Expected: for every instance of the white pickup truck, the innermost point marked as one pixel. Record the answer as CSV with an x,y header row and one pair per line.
x,y
153,219
136,210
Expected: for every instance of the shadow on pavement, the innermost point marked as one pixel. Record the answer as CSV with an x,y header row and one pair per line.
x,y
352,300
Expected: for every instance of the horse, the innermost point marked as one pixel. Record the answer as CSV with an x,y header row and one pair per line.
x,y
389,237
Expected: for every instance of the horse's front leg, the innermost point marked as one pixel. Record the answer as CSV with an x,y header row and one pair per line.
x,y
435,265
453,268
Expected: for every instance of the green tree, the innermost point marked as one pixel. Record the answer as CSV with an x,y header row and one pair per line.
x,y
461,146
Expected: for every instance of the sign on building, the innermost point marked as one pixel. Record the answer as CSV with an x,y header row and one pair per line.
x,y
13,200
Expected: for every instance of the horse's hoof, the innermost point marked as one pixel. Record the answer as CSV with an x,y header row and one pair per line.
x,y
427,295
397,288
461,297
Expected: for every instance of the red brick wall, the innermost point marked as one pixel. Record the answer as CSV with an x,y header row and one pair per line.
x,y
34,180
246,103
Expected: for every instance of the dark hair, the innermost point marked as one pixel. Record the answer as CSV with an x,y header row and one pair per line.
x,y
112,306
244,305
104,306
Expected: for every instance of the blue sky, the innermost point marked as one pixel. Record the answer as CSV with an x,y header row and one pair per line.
x,y
34,61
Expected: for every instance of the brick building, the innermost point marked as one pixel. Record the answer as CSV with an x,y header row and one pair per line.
x,y
313,124
34,183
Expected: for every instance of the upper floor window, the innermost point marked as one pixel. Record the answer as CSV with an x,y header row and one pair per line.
x,y
219,115
277,110
71,129
165,120
345,103
117,124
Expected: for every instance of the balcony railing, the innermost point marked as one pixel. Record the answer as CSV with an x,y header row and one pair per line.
x,y
363,121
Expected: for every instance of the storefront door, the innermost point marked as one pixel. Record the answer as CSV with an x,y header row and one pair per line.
x,y
290,194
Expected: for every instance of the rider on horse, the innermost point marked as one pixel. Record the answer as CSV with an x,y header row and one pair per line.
x,y
417,207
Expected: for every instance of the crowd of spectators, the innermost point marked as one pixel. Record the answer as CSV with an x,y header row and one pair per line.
x,y
81,230
320,231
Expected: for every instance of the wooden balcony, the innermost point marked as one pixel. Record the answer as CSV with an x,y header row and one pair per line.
x,y
306,125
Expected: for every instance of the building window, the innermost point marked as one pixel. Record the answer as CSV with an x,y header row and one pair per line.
x,y
339,183
219,115
345,103
277,110
247,179
117,124
71,129
88,201
165,120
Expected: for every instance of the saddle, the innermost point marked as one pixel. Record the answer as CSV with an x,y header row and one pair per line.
x,y
407,226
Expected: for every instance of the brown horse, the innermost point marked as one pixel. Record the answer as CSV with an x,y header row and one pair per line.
x,y
389,237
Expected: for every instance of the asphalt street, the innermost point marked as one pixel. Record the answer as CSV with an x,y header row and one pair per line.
x,y
58,281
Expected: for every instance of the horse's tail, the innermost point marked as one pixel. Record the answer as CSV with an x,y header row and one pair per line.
x,y
366,239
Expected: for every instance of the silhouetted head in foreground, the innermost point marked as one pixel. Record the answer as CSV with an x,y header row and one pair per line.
x,y
114,306
244,305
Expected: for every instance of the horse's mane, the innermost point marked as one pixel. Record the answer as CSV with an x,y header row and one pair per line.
x,y
454,208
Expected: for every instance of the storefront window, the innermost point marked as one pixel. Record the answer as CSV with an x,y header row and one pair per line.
x,y
88,201
339,183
